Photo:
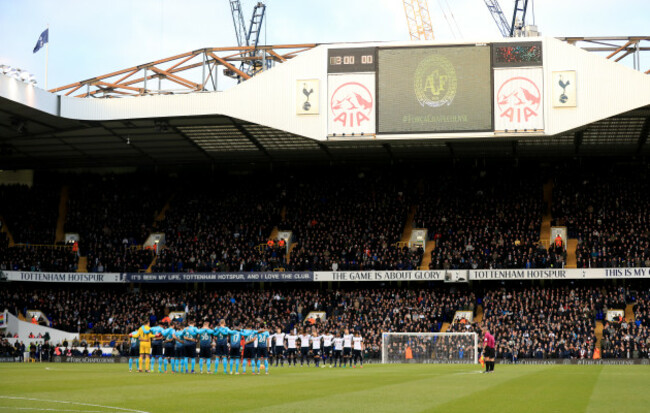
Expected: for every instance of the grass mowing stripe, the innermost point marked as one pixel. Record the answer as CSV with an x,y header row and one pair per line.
x,y
375,388
27,400
545,390
423,393
621,388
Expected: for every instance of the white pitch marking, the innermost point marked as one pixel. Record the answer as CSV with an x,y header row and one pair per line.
x,y
470,372
72,403
53,410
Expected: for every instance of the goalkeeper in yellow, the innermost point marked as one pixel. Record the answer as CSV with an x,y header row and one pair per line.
x,y
144,334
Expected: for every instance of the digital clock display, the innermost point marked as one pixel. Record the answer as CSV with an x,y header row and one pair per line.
x,y
352,60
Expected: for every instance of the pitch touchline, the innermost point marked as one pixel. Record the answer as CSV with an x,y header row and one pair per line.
x,y
52,410
72,403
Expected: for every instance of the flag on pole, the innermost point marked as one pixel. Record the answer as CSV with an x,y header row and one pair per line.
x,y
42,39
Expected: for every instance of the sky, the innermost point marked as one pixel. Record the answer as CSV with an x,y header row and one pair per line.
x,y
90,38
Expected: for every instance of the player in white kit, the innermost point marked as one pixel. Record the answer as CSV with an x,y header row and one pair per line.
x,y
327,347
291,348
315,348
357,349
304,347
347,348
338,351
278,347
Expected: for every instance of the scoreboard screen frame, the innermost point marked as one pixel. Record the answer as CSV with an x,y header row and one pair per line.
x,y
490,46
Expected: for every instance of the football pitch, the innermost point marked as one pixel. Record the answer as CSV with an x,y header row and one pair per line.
x,y
110,388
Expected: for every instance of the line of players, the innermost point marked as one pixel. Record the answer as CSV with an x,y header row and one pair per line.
x,y
174,347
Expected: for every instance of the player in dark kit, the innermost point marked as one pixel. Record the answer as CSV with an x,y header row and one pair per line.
x,y
235,347
157,347
250,352
263,343
488,351
205,334
221,333
168,347
134,352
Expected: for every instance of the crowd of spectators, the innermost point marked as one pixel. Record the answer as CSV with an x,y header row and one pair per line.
x,y
349,222
225,228
485,219
346,220
541,323
118,311
35,258
629,338
605,210
113,215
528,322
11,350
31,212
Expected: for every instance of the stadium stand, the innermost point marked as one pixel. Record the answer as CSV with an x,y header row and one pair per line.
x,y
558,322
485,219
113,215
476,218
349,222
604,210
30,213
543,322
529,322
118,311
222,226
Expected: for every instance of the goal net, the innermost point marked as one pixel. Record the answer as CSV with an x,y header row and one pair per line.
x,y
434,348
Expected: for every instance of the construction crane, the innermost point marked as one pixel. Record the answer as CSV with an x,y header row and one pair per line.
x,y
418,19
248,37
518,17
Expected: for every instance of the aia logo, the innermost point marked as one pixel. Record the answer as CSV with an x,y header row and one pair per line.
x,y
519,100
351,104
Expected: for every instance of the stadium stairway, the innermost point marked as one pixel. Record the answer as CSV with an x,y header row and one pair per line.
x,y
163,211
63,212
283,213
408,226
479,314
150,267
545,230
288,256
426,257
6,231
571,247
598,332
82,264
629,312
445,327
274,233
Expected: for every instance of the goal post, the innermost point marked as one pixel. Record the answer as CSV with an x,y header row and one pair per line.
x,y
429,348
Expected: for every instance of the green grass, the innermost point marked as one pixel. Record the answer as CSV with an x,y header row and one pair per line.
x,y
376,388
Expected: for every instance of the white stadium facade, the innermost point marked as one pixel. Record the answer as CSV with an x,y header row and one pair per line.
x,y
350,102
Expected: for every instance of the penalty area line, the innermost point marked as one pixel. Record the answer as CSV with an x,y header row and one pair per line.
x,y
71,403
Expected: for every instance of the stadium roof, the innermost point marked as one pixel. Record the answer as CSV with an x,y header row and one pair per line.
x,y
256,122
33,139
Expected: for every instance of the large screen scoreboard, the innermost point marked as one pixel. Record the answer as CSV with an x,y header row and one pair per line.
x,y
434,89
